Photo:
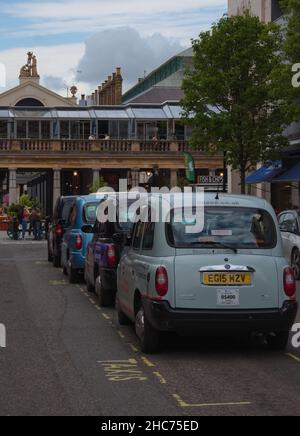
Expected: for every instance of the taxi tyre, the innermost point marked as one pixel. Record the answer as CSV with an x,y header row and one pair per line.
x,y
122,318
278,341
90,288
295,262
105,297
56,261
50,257
149,337
72,273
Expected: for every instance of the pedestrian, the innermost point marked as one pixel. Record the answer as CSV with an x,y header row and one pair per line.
x,y
35,219
23,218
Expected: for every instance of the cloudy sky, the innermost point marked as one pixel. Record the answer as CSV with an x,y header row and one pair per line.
x,y
82,41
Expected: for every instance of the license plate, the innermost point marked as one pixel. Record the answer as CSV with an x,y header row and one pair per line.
x,y
228,297
228,279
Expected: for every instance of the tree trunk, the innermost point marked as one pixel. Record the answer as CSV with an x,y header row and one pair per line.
x,y
243,179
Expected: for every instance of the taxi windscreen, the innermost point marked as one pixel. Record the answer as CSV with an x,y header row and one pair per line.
x,y
226,227
90,213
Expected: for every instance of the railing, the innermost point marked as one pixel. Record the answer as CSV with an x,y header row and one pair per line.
x,y
5,145
35,145
75,146
155,146
32,146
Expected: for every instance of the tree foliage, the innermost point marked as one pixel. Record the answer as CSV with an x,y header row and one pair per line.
x,y
292,43
239,97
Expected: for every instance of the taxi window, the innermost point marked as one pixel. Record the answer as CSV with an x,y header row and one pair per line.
x,y
138,234
239,228
90,213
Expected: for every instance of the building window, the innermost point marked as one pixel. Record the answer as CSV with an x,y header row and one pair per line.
x,y
45,129
3,129
103,128
113,129
21,129
74,129
85,129
64,130
162,129
179,131
33,129
123,129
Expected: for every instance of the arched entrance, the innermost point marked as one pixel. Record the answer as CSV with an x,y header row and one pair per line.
x,y
29,102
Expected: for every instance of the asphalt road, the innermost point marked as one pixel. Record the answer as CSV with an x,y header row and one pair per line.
x,y
65,356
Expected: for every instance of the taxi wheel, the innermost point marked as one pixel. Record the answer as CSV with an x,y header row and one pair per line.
x,y
122,318
296,263
149,337
278,341
56,261
90,288
73,274
105,297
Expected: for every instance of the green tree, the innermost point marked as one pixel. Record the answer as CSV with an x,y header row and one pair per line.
x,y
96,185
239,97
292,43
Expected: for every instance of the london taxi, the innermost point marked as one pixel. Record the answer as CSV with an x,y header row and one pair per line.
x,y
230,278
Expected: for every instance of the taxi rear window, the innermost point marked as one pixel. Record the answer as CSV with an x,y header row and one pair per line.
x,y
236,227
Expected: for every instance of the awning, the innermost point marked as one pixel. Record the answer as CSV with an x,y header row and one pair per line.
x,y
291,175
265,174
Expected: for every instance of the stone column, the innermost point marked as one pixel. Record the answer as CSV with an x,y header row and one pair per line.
x,y
174,179
56,185
13,189
229,179
295,194
96,175
135,177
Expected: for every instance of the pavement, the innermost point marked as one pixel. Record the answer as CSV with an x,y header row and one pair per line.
x,y
66,356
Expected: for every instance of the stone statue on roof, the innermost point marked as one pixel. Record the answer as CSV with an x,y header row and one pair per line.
x,y
30,68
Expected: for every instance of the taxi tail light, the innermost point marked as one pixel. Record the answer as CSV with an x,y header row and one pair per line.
x,y
78,242
161,281
289,282
58,230
111,256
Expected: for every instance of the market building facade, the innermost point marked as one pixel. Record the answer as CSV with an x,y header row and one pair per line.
x,y
51,145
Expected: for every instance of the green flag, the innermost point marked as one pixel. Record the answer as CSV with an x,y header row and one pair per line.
x,y
190,170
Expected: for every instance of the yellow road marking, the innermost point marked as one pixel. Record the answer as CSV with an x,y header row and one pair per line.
x,y
123,371
105,316
292,356
147,362
133,347
121,334
58,282
107,362
92,301
161,379
183,404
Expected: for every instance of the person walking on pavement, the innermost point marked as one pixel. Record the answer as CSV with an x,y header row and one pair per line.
x,y
23,218
35,219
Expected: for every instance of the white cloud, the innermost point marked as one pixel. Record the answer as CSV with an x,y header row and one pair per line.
x,y
87,65
126,48
72,9
182,20
59,61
